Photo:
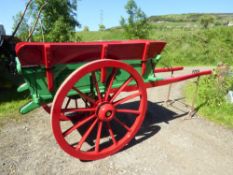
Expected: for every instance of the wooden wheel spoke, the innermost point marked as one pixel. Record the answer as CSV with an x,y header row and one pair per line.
x,y
91,100
47,108
64,117
121,88
111,80
67,103
86,134
122,124
86,103
97,142
78,110
131,111
95,82
132,96
111,134
77,125
76,103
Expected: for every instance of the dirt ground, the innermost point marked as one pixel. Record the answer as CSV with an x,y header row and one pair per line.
x,y
167,143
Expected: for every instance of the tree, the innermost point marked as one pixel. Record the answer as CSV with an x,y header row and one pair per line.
x,y
102,27
23,30
206,20
137,24
86,29
58,18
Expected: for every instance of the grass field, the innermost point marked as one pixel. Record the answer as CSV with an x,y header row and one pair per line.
x,y
184,46
10,102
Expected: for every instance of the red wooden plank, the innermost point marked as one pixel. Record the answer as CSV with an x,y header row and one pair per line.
x,y
47,59
31,54
103,56
145,56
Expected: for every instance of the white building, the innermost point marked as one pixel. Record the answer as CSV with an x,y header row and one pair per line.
x,y
230,24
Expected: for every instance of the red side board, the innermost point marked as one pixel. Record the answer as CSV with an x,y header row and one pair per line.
x,y
49,54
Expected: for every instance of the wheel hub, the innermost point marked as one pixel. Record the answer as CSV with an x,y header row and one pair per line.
x,y
106,112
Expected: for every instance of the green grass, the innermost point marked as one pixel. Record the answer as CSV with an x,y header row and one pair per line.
x,y
100,36
199,47
10,102
211,103
184,46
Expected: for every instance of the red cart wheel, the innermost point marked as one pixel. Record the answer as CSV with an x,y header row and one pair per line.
x,y
47,107
104,121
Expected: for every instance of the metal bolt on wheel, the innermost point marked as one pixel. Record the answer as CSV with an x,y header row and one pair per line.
x,y
103,120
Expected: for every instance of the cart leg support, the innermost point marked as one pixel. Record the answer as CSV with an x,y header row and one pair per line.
x,y
169,92
192,111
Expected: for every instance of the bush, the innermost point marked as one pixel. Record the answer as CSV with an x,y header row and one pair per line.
x,y
212,98
213,92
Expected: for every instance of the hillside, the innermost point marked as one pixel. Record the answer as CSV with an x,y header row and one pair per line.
x,y
184,47
191,17
191,20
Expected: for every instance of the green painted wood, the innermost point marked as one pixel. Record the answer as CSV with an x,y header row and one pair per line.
x,y
36,82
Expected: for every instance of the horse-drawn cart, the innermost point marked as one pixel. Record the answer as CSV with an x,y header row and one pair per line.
x,y
89,88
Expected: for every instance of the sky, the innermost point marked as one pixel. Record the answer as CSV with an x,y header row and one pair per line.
x,y
92,12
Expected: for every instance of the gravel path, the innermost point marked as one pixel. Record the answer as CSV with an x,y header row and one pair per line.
x,y
166,144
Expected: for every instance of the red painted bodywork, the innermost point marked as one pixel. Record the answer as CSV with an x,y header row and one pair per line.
x,y
50,54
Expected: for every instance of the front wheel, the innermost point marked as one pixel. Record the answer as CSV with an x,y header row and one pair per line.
x,y
105,118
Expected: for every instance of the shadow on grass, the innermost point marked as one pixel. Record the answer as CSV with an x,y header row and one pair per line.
x,y
11,94
10,102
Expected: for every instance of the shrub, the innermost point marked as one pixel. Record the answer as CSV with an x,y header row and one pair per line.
x,y
137,25
211,101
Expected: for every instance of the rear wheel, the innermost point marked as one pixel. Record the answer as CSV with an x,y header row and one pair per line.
x,y
105,118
